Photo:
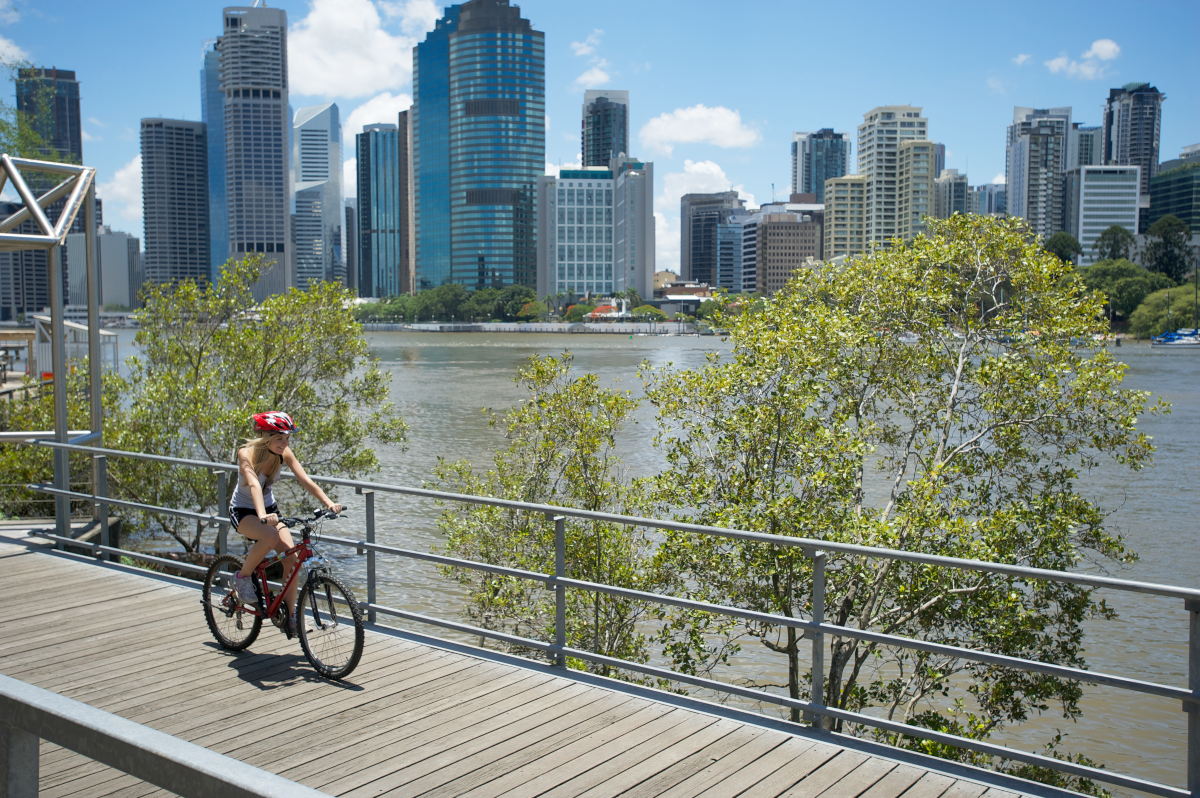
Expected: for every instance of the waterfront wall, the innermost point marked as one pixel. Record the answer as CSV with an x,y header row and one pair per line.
x,y
613,328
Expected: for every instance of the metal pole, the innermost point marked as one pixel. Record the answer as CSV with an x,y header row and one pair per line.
x,y
370,494
100,469
560,590
818,639
222,504
1192,709
18,762
92,267
58,359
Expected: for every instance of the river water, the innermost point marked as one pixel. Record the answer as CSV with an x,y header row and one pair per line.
x,y
443,382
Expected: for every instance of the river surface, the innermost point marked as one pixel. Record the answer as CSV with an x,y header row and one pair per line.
x,y
443,382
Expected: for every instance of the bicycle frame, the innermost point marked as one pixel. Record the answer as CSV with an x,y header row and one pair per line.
x,y
304,553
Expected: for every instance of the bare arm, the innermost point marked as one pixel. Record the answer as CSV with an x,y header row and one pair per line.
x,y
305,482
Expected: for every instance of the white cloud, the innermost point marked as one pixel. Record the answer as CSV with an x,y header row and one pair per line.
x,y
666,243
350,178
552,168
698,125
96,122
9,14
417,17
1022,59
588,45
594,77
1000,178
340,49
9,51
382,108
1091,67
83,134
996,86
123,194
697,177
1103,50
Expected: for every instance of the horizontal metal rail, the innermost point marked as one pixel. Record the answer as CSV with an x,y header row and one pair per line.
x,y
29,713
209,520
363,546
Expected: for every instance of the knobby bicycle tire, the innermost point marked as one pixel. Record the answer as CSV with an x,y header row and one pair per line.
x,y
330,626
234,626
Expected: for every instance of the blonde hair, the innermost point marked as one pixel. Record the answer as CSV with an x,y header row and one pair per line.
x,y
261,456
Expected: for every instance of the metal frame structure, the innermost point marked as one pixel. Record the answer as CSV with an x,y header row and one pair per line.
x,y
79,187
815,628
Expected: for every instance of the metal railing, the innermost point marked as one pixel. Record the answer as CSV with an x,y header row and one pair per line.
x,y
815,628
29,714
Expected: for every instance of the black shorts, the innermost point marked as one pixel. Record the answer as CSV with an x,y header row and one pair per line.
x,y
236,514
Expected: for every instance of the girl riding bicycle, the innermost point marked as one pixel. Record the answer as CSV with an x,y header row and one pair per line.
x,y
253,511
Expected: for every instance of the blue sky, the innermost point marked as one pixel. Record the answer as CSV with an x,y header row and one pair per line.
x,y
716,88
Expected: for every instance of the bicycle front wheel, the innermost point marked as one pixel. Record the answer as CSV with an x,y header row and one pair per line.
x,y
330,627
233,623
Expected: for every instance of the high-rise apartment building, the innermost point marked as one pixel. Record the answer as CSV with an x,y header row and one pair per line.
x,y
212,113
48,98
1098,197
1086,145
991,198
816,157
939,160
120,260
916,166
1132,122
1036,161
351,238
700,215
383,210
596,229
952,195
254,79
845,216
175,200
479,145
605,126
317,183
880,135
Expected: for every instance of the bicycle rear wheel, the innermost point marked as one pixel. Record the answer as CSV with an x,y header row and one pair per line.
x,y
330,626
233,623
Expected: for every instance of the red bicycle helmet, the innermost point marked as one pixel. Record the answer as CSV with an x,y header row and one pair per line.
x,y
274,421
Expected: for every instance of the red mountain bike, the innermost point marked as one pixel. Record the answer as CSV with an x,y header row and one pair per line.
x,y
329,622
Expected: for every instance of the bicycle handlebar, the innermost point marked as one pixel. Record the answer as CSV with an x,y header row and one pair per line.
x,y
318,515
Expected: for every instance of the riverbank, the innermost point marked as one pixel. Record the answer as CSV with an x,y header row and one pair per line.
x,y
555,328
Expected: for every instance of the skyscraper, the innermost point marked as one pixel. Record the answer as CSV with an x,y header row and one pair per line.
x,y
49,99
916,165
845,216
317,182
254,78
952,195
879,138
384,268
1036,162
939,160
816,157
700,215
351,246
1132,121
175,200
1086,146
1096,198
633,226
478,145
605,126
212,113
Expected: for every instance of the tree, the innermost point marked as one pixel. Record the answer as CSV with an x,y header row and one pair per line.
x,y
966,444
1168,248
577,313
19,134
1124,284
1152,318
1115,243
210,358
533,311
1064,246
648,313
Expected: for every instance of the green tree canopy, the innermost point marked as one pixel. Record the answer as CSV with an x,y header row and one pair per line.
x,y
1125,284
648,313
1168,248
19,134
579,312
1114,243
1152,316
1064,246
533,311
965,444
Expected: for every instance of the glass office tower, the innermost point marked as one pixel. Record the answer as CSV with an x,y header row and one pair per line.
x,y
381,215
212,113
494,101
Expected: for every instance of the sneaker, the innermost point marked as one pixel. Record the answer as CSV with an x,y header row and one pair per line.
x,y
293,625
244,586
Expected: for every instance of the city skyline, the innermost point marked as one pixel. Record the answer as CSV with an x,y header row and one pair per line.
x,y
718,134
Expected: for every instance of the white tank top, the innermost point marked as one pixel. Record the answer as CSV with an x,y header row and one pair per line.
x,y
243,499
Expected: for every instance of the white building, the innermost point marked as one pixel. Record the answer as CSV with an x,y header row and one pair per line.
x,y
953,195
1037,158
1097,197
596,230
880,135
317,202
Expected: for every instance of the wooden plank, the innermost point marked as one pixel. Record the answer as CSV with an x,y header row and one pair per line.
x,y
861,779
895,783
732,762
930,785
996,792
680,771
778,758
824,777
964,789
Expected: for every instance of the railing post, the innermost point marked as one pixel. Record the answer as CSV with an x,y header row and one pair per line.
x,y
222,504
1192,709
18,762
560,590
370,494
100,490
818,638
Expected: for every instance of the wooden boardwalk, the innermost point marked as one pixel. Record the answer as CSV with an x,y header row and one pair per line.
x,y
413,720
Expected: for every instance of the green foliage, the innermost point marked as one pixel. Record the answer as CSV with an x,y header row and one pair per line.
x,y
1064,246
648,313
708,309
966,444
1168,248
210,358
1115,243
450,302
19,130
560,451
1151,317
577,313
1125,284
533,311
